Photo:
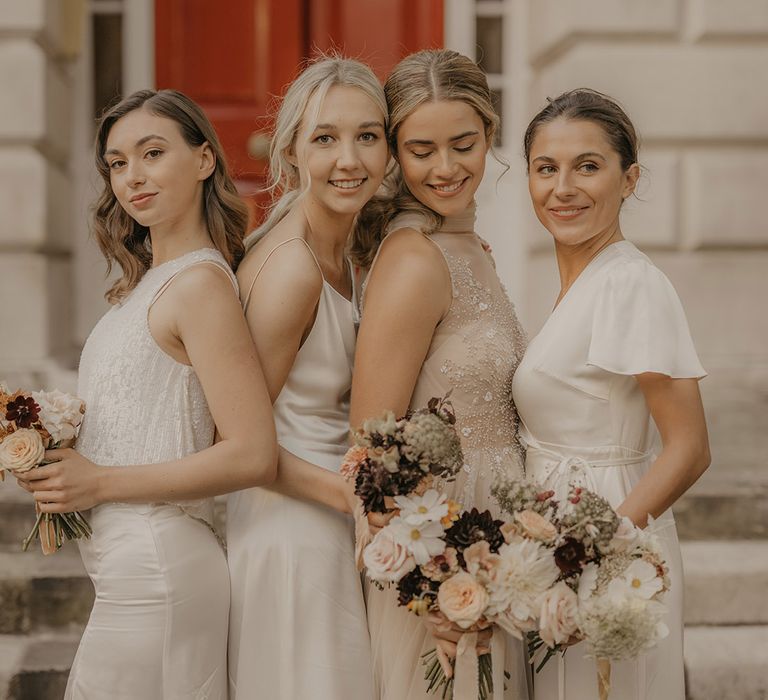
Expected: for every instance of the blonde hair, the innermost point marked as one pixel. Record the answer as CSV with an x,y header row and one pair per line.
x,y
425,76
121,238
315,80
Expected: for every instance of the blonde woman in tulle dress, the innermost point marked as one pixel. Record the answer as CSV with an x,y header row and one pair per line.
x,y
436,319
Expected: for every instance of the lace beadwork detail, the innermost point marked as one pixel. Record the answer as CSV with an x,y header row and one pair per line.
x,y
143,407
483,327
474,353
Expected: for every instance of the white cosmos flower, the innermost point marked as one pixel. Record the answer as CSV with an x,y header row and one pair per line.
x,y
430,507
639,580
423,540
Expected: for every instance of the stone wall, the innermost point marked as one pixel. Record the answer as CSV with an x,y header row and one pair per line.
x,y
691,74
37,40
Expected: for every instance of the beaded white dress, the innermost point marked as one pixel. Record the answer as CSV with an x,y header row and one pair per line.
x,y
297,626
474,353
158,629
585,421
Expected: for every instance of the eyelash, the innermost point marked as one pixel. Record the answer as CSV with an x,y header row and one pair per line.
x,y
549,169
153,153
462,149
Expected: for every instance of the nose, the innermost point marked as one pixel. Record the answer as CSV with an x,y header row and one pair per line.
x,y
135,173
564,186
446,167
348,158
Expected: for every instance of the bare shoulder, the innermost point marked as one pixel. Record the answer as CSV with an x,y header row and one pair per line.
x,y
282,266
408,256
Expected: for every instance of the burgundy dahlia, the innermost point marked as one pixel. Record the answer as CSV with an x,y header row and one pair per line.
x,y
569,556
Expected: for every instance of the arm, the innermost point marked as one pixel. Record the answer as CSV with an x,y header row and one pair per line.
x,y
676,408
409,291
200,310
280,314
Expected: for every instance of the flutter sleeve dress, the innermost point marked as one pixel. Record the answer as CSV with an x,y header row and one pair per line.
x,y
585,421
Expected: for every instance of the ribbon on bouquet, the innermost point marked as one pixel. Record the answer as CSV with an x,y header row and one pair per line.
x,y
466,668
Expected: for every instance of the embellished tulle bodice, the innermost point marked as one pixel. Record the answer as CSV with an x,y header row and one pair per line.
x,y
474,353
142,406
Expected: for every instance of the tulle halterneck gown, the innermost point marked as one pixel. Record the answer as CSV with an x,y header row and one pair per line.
x,y
158,629
585,421
474,352
297,624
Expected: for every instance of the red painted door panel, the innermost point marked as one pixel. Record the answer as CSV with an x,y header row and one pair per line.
x,y
234,57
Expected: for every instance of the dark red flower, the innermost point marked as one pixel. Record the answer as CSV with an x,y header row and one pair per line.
x,y
23,411
569,556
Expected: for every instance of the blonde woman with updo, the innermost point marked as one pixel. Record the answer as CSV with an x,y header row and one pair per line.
x,y
436,319
297,626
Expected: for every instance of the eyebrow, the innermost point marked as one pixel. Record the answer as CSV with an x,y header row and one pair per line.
x,y
427,142
364,125
581,156
139,143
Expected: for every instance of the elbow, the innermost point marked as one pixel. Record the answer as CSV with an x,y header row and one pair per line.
x,y
704,458
265,468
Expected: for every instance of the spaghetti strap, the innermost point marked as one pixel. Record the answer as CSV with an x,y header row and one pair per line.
x,y
269,255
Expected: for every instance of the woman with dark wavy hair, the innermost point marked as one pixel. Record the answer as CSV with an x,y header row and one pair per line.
x,y
170,363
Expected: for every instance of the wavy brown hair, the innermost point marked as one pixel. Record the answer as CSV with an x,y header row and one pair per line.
x,y
431,75
121,238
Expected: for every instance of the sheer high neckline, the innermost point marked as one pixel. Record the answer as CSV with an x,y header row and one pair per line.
x,y
459,223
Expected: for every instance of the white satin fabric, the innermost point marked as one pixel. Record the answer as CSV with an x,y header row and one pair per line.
x,y
158,628
585,422
297,625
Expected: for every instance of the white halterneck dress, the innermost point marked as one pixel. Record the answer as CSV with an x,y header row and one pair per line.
x,y
585,421
297,625
158,629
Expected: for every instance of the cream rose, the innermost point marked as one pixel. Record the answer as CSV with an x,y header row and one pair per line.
x,y
479,559
536,526
60,413
462,599
386,559
22,450
559,610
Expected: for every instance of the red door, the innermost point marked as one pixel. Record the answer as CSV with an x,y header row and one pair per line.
x,y
234,57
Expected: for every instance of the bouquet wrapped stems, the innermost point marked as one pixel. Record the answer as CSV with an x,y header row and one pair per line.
x,y
437,680
53,528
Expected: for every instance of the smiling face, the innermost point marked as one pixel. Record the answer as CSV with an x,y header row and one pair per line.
x,y
155,174
576,181
342,155
441,147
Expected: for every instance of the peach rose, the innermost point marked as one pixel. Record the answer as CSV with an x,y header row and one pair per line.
x,y
462,599
559,608
22,450
480,559
386,559
536,526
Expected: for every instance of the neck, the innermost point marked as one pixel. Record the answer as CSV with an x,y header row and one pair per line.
x,y
172,240
327,232
573,259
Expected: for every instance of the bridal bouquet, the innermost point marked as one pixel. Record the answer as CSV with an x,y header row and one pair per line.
x,y
30,423
393,457
611,582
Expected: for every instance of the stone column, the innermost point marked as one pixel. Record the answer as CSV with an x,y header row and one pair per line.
x,y
38,39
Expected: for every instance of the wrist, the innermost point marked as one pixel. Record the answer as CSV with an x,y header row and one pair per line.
x,y
102,483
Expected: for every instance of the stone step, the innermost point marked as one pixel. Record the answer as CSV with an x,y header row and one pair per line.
x,y
36,667
44,593
728,514
726,582
726,663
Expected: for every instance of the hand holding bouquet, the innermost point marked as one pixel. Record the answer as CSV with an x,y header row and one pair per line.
x,y
612,578
30,423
